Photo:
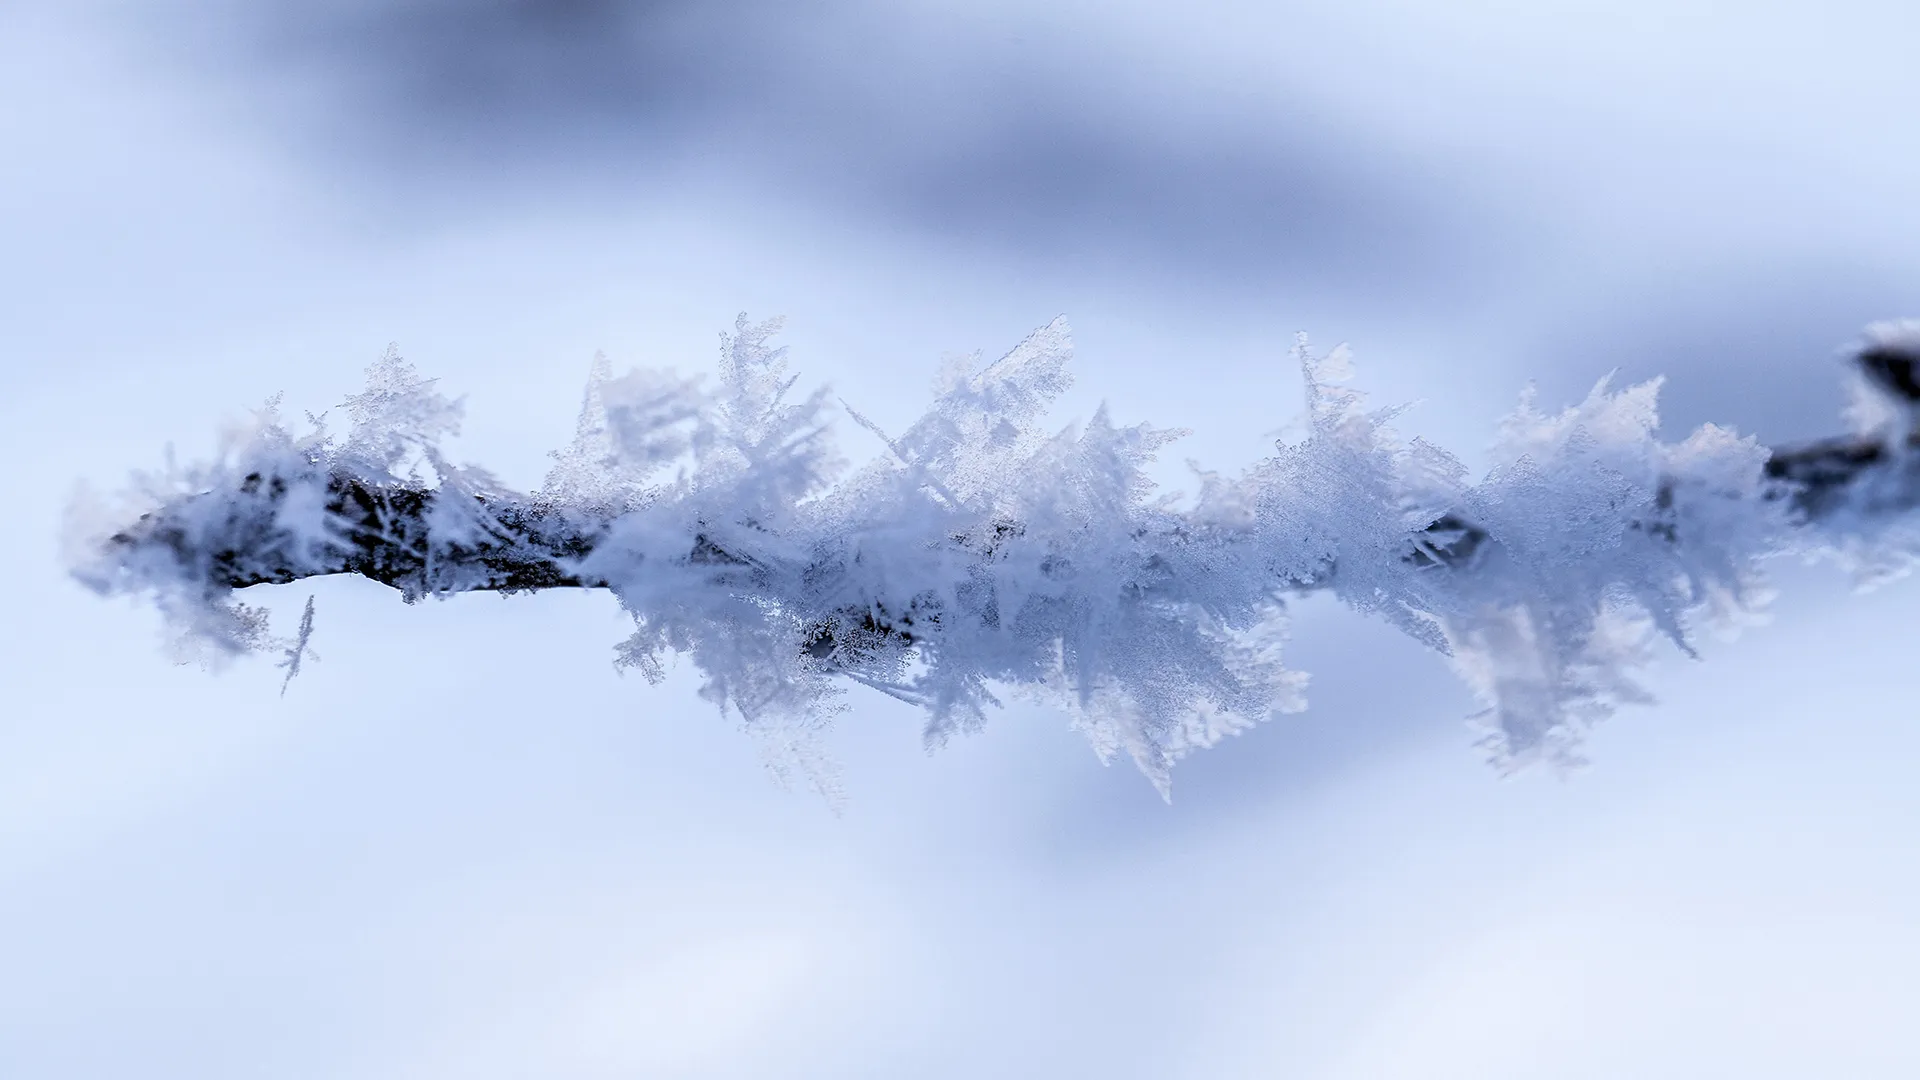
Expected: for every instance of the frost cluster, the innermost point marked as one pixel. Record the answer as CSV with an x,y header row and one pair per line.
x,y
1869,531
993,551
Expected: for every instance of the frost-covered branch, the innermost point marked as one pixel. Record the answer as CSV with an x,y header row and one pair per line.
x,y
989,553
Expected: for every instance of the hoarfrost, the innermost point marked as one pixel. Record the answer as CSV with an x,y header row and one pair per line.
x,y
1870,532
989,552
298,651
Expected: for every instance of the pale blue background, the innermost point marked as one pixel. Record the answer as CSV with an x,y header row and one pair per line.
x,y
462,847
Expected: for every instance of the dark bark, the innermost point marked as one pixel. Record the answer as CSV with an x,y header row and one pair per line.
x,y
384,532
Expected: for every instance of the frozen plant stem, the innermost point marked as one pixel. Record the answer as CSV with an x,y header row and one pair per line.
x,y
989,550
530,547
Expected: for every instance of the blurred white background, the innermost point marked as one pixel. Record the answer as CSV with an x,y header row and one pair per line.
x,y
462,846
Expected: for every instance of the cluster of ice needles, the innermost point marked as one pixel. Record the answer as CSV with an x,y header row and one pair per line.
x,y
989,551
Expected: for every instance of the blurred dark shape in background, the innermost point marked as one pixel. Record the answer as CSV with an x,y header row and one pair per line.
x,y
1028,141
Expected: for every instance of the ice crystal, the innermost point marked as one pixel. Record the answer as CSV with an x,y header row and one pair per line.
x,y
989,551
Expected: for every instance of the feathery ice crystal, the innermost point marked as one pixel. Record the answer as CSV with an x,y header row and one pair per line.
x,y
989,552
